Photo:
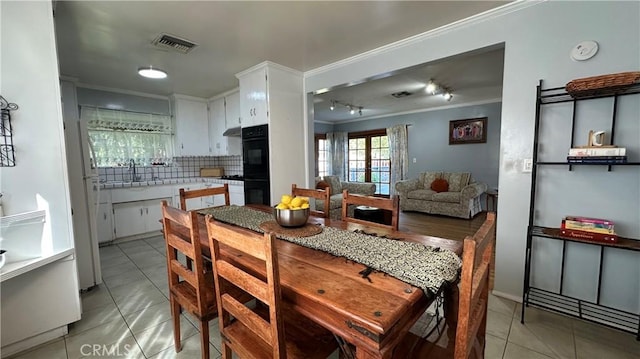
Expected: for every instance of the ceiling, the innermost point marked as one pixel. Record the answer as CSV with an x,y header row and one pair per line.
x,y
103,43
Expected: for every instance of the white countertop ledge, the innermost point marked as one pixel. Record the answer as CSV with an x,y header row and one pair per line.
x,y
168,181
14,269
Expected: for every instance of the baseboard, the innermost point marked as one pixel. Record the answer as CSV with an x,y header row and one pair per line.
x,y
33,342
512,297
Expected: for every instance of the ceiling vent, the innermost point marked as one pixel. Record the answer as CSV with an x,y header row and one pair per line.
x,y
401,94
169,42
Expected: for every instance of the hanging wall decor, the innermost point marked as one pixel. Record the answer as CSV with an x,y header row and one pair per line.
x,y
7,154
472,130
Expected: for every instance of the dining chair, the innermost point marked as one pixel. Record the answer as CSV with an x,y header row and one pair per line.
x,y
381,203
205,192
268,330
319,194
470,333
192,288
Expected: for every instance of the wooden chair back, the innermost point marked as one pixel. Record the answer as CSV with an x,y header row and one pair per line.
x,y
474,290
248,327
205,192
194,292
389,204
318,194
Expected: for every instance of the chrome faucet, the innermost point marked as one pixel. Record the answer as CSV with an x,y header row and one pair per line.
x,y
132,168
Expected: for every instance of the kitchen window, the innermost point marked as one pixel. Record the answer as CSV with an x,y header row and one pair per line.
x,y
369,159
118,136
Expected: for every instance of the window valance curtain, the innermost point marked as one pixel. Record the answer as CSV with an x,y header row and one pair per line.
x,y
118,120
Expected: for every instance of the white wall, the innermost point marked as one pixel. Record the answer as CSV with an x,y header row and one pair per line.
x,y
29,70
537,38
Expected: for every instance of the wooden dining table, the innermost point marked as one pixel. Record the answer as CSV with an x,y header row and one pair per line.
x,y
372,313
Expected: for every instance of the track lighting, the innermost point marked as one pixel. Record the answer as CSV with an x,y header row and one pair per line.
x,y
352,108
434,88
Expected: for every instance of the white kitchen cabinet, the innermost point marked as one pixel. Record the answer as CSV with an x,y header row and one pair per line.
x,y
236,194
211,201
192,203
273,94
220,110
192,126
232,110
105,223
253,97
133,218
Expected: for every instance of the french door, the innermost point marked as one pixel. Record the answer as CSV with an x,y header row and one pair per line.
x,y
369,159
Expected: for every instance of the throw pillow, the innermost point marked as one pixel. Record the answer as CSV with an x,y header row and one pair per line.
x,y
440,185
334,184
322,185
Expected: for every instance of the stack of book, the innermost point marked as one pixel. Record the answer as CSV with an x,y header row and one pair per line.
x,y
602,155
594,229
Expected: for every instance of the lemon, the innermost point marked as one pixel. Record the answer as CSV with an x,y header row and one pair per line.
x,y
282,206
286,199
305,206
295,208
296,202
305,199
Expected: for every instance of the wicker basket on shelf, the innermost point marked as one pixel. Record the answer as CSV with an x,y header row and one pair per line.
x,y
603,84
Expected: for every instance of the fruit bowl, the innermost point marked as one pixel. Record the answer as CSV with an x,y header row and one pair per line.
x,y
291,217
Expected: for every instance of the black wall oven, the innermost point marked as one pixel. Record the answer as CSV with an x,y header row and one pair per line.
x,y
255,161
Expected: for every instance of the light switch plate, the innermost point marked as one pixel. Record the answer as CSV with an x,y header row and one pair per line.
x,y
527,165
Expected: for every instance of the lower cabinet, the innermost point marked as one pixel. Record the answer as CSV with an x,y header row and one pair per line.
x,y
236,194
105,223
133,218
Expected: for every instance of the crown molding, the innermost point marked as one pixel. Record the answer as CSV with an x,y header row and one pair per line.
x,y
456,25
269,64
224,94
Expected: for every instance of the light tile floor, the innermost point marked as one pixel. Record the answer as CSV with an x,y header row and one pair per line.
x,y
128,316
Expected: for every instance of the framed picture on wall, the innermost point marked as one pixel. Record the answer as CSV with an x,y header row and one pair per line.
x,y
473,130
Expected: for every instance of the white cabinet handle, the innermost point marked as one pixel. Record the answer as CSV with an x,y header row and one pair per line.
x,y
104,215
141,211
147,210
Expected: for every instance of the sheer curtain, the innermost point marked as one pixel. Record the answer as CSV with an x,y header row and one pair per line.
x,y
338,144
399,153
119,136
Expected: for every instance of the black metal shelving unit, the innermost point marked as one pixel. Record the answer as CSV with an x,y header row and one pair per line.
x,y
556,301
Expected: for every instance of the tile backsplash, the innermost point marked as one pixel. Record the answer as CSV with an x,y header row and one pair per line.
x,y
182,167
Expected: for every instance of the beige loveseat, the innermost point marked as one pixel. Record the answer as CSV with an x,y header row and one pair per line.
x,y
461,200
336,186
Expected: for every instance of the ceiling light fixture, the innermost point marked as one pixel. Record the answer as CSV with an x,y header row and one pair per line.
x,y
435,88
352,108
431,87
151,73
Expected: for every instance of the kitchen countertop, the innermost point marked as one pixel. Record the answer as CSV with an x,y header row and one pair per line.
x,y
168,181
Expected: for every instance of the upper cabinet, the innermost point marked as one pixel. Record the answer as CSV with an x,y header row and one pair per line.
x,y
192,126
222,111
253,96
232,110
